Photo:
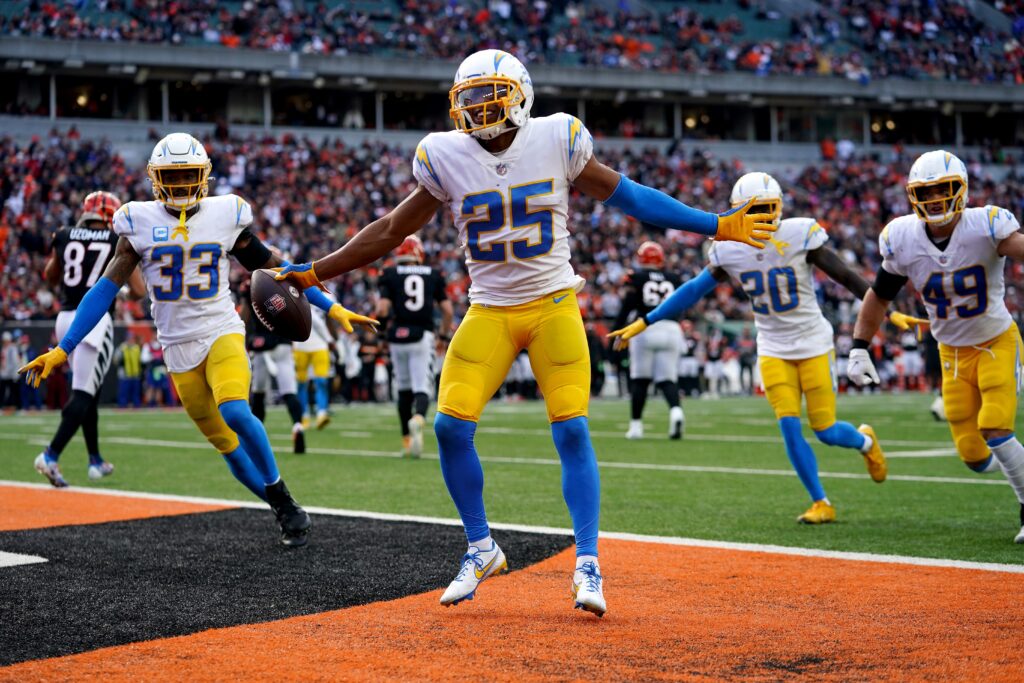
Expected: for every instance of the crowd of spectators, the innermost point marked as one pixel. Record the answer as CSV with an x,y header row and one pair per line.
x,y
859,40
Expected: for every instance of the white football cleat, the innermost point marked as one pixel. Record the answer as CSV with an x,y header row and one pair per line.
x,y
477,565
103,469
415,436
938,409
50,470
676,422
636,430
586,589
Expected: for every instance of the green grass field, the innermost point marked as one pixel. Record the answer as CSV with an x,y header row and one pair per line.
x,y
728,480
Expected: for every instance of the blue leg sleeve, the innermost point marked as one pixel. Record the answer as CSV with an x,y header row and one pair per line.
x,y
320,385
801,456
304,397
842,434
460,467
253,437
581,483
683,298
989,464
241,466
657,208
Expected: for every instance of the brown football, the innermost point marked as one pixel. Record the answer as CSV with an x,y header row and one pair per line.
x,y
280,306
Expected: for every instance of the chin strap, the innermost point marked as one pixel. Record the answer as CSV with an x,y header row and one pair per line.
x,y
180,229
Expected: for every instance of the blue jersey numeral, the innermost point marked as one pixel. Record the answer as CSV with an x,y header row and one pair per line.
x,y
967,282
753,282
522,216
172,260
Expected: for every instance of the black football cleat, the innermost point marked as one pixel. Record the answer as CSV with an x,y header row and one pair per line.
x,y
294,521
298,441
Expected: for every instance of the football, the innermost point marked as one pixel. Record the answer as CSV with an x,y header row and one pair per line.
x,y
280,306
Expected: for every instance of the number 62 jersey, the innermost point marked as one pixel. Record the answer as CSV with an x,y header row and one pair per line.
x,y
186,269
962,286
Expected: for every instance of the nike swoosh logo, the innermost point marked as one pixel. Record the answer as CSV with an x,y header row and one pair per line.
x,y
480,572
558,299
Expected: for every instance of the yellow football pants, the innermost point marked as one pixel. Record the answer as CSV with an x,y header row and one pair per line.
x,y
320,360
785,381
979,390
490,337
223,376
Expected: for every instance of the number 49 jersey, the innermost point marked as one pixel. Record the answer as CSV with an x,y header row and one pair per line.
x,y
778,281
511,209
412,290
962,286
186,270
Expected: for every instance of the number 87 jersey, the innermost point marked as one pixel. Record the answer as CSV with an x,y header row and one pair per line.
x,y
962,285
780,286
186,269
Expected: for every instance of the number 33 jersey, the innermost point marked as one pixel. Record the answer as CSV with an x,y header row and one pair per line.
x,y
511,209
780,285
186,270
962,286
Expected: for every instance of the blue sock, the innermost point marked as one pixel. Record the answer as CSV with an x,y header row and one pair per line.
x,y
50,455
581,483
320,385
460,467
95,459
253,436
304,397
842,434
801,456
241,466
989,464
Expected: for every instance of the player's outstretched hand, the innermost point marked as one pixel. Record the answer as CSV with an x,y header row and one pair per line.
x,y
621,337
860,369
737,225
40,368
301,274
905,322
346,317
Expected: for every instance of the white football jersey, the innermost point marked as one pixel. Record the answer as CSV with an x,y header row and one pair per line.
x,y
962,286
186,271
319,338
779,283
511,208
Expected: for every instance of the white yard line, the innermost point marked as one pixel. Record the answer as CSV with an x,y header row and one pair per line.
x,y
638,538
16,560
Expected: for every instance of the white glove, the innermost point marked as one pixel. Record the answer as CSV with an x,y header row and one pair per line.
x,y
860,369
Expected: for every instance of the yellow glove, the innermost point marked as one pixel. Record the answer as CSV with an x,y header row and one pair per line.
x,y
905,322
623,336
346,317
302,274
41,367
736,225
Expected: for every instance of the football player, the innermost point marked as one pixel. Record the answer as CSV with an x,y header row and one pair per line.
x,y
794,340
80,254
182,240
655,356
315,353
408,292
955,257
506,179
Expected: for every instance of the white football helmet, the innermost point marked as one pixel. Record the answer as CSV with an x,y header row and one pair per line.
x,y
172,156
762,187
492,94
938,168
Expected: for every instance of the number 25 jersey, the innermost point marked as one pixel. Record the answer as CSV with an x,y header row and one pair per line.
x,y
780,285
511,208
962,286
186,270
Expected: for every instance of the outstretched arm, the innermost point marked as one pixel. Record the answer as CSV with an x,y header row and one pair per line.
x,y
1013,247
837,269
657,208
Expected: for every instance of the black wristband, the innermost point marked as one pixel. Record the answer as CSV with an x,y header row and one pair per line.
x,y
861,344
646,321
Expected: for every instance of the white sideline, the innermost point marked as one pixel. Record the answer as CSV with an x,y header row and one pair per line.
x,y
614,535
16,560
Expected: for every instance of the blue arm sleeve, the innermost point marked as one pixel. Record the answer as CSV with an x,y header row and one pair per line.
x,y
683,298
655,207
315,295
90,311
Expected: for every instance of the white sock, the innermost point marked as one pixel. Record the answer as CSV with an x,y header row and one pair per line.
x,y
1010,455
868,443
297,427
581,559
636,423
484,545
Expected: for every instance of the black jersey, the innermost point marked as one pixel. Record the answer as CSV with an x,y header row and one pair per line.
x,y
84,254
413,290
645,290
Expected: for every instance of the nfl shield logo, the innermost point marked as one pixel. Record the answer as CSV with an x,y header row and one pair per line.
x,y
502,169
160,233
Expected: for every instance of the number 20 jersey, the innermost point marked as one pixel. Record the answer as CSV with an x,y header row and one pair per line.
x,y
511,209
186,271
780,285
962,286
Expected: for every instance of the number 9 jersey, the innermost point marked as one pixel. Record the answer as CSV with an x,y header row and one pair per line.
x,y
511,209
780,285
186,268
962,286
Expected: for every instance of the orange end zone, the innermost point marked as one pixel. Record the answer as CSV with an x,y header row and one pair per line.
x,y
30,508
675,613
